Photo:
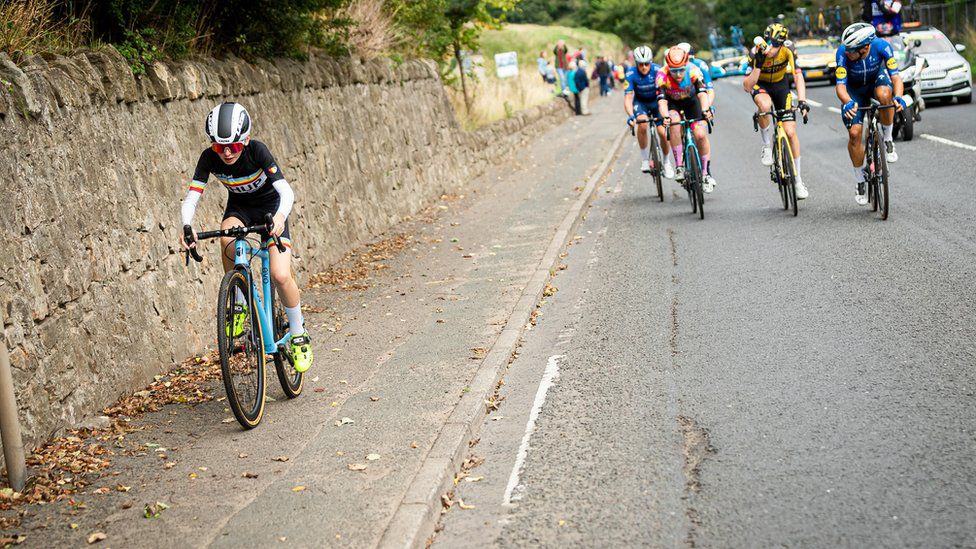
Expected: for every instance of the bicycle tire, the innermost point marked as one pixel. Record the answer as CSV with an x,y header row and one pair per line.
x,y
248,414
775,174
875,160
789,179
694,171
291,380
882,186
658,164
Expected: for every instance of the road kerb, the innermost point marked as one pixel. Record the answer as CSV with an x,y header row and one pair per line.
x,y
411,525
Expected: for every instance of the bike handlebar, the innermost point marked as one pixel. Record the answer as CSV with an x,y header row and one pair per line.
x,y
234,232
775,113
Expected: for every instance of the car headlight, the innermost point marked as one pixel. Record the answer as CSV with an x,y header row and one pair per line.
x,y
832,65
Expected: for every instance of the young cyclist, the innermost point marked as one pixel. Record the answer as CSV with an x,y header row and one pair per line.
x,y
640,96
866,69
255,188
681,87
772,64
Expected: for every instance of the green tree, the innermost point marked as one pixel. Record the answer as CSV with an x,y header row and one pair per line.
x,y
751,15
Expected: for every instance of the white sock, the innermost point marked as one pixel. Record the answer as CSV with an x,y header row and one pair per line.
x,y
646,154
858,174
766,134
886,130
296,324
239,297
796,166
671,157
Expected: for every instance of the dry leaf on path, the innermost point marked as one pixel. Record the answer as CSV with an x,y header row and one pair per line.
x,y
473,479
356,467
464,506
298,489
280,458
343,421
95,537
372,457
248,474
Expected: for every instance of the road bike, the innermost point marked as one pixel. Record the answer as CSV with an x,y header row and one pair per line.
x,y
783,171
693,178
876,171
657,156
249,331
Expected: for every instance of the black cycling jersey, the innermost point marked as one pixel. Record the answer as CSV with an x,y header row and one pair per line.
x,y
249,180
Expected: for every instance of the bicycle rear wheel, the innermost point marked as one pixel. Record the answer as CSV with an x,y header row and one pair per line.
x,y
291,380
789,176
242,358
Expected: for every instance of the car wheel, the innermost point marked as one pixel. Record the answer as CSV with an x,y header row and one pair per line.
x,y
964,99
908,125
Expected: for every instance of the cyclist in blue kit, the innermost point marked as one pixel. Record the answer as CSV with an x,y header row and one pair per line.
x,y
256,187
640,104
866,70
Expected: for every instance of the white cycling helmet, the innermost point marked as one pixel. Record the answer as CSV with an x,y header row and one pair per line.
x,y
857,36
685,46
228,123
643,54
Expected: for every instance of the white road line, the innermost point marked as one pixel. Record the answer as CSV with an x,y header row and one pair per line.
x,y
814,103
945,141
833,109
548,377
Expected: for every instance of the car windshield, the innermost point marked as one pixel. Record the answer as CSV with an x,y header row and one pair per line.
x,y
725,53
813,50
932,43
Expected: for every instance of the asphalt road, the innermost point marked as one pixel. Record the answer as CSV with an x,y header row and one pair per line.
x,y
753,379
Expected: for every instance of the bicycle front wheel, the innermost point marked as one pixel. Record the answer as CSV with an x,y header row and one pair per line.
x,y
291,379
789,177
658,165
694,175
881,192
241,346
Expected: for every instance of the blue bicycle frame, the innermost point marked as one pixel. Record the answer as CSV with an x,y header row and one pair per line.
x,y
243,254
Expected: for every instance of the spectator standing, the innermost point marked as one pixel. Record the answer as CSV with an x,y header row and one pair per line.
x,y
543,65
562,64
571,86
582,88
603,73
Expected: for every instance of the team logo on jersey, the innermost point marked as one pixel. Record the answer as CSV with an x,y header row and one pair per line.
x,y
841,72
273,170
892,64
626,85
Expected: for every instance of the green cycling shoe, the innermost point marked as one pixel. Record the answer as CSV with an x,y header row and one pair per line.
x,y
300,351
240,318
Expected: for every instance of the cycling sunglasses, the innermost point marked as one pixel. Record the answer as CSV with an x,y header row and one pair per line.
x,y
643,64
677,72
235,148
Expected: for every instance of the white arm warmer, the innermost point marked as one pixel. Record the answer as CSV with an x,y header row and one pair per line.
x,y
190,206
287,197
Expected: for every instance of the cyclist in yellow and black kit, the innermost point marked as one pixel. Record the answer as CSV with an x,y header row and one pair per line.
x,y
773,64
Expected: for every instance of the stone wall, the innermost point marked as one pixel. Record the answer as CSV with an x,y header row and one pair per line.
x,y
95,297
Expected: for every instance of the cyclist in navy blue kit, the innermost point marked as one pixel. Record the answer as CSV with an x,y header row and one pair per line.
x,y
867,69
640,104
256,187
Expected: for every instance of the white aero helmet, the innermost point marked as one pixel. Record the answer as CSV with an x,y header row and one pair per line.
x,y
857,36
643,54
228,123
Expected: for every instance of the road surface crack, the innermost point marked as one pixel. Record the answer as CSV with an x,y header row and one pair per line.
x,y
696,447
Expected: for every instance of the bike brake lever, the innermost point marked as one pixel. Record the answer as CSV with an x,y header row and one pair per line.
x,y
190,252
269,225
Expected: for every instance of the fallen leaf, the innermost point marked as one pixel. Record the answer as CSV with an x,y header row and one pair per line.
x,y
464,506
336,350
169,465
242,455
319,389
298,489
248,474
413,444
95,537
562,522
227,420
343,421
374,399
73,526
356,467
102,490
334,404
473,479
204,469
192,475
372,457
152,510
122,488
280,458
340,453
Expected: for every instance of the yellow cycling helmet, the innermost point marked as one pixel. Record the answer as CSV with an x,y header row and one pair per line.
x,y
776,34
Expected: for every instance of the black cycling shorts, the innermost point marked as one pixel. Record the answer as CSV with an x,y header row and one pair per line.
x,y
250,214
690,105
779,92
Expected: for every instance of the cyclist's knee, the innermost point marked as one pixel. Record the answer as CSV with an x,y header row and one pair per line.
x,y
854,134
281,273
883,94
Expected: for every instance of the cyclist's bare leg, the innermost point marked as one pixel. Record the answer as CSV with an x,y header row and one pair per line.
x,y
676,138
282,276
855,146
790,128
883,95
663,137
227,244
764,104
642,131
700,131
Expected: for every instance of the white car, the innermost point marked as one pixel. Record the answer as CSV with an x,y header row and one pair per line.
x,y
948,74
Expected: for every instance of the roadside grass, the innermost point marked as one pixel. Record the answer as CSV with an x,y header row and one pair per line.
x,y
35,26
969,39
493,98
